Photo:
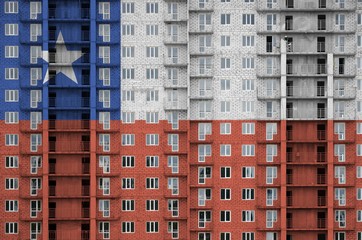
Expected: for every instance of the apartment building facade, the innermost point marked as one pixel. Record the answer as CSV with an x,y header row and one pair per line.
x,y
176,119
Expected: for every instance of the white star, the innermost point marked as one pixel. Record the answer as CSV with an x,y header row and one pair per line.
x,y
63,60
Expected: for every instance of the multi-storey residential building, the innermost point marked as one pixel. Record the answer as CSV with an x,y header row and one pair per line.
x,y
181,119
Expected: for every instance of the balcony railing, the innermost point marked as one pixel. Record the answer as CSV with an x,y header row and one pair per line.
x,y
69,146
320,136
306,69
68,124
306,223
71,102
317,113
54,14
56,235
84,192
301,180
306,92
306,157
202,71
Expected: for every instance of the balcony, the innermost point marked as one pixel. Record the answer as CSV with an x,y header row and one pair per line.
x,y
306,92
299,180
263,93
175,105
202,6
55,14
202,71
320,136
181,16
317,5
59,235
306,224
59,59
69,146
69,192
85,170
175,39
69,103
204,28
175,61
202,95
70,214
68,125
293,202
345,70
316,113
306,69
349,93
306,157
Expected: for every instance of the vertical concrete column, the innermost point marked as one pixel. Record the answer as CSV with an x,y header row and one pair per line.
x,y
283,79
330,67
330,174
283,175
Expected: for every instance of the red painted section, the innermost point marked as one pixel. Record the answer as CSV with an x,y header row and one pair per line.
x,y
305,179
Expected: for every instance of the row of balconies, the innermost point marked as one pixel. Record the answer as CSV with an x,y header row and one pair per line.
x,y
306,93
308,5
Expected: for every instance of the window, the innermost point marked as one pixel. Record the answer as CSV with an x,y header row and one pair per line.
x,y
173,185
11,183
340,174
104,207
151,30
359,149
128,52
359,171
35,164
225,236
173,141
271,196
151,183
248,41
340,196
339,129
11,117
225,150
35,230
105,163
359,235
127,29
105,120
11,162
105,32
340,21
35,141
248,172
128,139
127,227
128,183
127,7
11,7
35,31
152,96
35,185
248,63
204,235
225,19
225,216
248,85
152,139
225,85
11,206
340,217
35,75
128,205
172,228
248,128
225,194
248,216
35,98
11,139
11,228
128,95
151,7
225,128
151,73
204,21
204,217
204,173
248,236
105,142
271,130
339,236
105,185
11,73
104,229
203,130
248,150
271,21
152,227
35,53
225,41
105,54
151,205
173,163
225,172
128,161
127,117
152,161
11,51
248,19
271,152
104,9
359,216
271,174
340,43
204,151
247,106
225,63
248,194
11,29
204,194
339,151
271,218
35,207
